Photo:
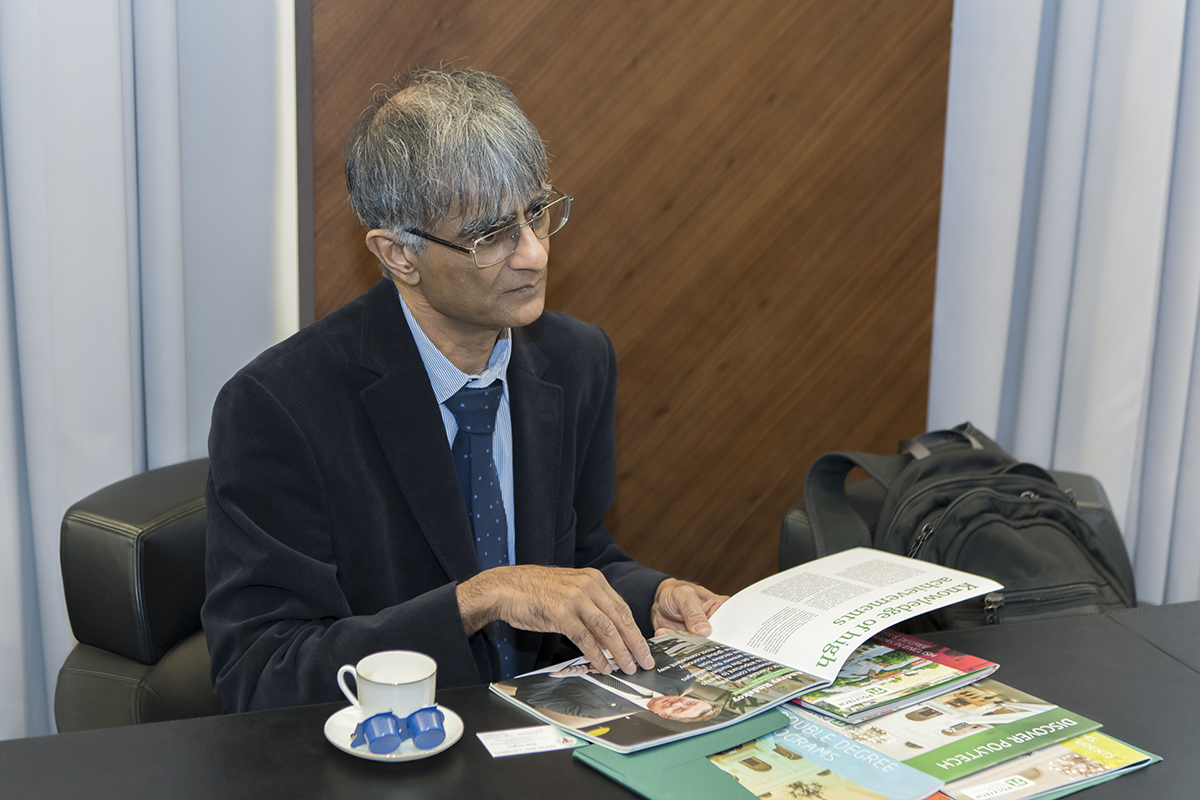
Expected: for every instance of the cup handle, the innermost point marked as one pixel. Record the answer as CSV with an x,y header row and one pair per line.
x,y
347,668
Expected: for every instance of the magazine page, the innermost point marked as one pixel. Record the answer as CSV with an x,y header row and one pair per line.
x,y
696,685
964,731
892,670
805,760
815,615
1070,765
937,653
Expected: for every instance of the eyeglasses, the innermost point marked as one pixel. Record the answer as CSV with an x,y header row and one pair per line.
x,y
489,250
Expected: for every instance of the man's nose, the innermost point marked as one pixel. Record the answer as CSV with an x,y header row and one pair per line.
x,y
531,252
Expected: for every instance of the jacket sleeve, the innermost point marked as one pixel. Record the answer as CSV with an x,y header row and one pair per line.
x,y
277,621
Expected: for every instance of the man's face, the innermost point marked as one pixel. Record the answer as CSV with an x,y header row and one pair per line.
x,y
676,707
468,299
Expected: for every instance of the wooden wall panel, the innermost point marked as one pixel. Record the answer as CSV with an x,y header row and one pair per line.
x,y
757,187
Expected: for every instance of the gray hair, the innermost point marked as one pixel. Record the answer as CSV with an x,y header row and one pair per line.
x,y
438,144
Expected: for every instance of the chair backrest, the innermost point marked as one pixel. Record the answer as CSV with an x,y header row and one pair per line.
x,y
132,559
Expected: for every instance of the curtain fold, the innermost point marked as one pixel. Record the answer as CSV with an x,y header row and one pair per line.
x,y
110,351
160,231
1088,364
63,128
18,650
1168,529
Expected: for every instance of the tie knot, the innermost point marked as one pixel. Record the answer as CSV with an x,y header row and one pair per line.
x,y
475,409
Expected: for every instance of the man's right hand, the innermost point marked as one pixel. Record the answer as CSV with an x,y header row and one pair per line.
x,y
578,603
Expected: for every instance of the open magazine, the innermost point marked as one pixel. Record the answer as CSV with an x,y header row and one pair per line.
x,y
783,636
891,671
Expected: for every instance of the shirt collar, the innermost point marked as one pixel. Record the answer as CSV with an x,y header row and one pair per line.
x,y
446,378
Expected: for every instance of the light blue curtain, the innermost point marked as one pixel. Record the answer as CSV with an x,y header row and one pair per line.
x,y
138,195
1068,287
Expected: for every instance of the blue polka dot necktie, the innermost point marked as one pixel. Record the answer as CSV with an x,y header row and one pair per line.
x,y
475,412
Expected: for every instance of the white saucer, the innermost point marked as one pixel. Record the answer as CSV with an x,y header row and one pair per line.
x,y
339,730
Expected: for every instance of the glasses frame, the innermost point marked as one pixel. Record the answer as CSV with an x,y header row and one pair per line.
x,y
566,198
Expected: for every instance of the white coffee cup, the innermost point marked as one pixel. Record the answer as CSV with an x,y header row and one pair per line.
x,y
399,681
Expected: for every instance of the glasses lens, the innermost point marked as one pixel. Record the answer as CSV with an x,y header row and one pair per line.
x,y
552,216
549,219
497,246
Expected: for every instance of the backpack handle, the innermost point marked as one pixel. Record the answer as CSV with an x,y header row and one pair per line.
x,y
918,447
836,526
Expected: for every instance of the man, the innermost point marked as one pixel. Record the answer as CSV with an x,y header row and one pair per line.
x,y
599,696
572,696
667,676
338,489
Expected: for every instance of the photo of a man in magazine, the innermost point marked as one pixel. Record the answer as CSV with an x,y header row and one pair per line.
x,y
577,690
694,683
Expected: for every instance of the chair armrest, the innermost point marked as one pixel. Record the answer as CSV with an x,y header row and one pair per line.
x,y
133,561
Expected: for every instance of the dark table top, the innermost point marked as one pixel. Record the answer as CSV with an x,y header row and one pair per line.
x,y
284,754
1138,672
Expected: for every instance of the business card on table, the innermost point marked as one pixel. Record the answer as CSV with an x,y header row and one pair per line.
x,y
535,739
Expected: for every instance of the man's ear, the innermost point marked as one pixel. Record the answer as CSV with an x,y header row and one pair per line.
x,y
395,256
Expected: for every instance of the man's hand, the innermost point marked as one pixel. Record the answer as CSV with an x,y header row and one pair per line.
x,y
578,603
572,671
679,605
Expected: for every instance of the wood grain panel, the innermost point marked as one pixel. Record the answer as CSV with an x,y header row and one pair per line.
x,y
757,187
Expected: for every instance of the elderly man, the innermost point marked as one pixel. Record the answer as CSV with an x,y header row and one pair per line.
x,y
429,467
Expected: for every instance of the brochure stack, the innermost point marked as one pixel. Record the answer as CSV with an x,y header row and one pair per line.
x,y
802,691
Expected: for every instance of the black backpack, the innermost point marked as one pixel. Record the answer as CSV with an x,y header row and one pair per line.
x,y
956,498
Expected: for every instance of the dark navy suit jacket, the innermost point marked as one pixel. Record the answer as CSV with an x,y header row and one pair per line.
x,y
336,527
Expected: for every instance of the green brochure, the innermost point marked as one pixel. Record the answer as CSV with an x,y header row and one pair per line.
x,y
681,770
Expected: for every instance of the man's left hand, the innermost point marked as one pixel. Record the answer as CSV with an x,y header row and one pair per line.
x,y
679,605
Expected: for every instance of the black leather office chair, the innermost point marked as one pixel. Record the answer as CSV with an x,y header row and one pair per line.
x,y
133,573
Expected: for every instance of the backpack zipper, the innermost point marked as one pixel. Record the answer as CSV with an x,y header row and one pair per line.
x,y
969,482
922,536
992,604
1050,598
925,534
1064,595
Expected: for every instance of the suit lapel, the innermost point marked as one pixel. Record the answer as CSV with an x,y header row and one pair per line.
x,y
405,415
537,418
